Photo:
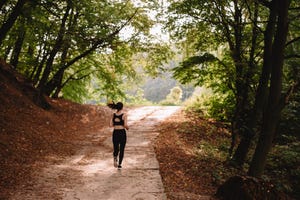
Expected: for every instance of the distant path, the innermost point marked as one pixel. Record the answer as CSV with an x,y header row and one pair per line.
x,y
90,175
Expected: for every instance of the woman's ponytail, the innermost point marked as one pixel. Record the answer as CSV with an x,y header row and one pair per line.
x,y
116,106
111,105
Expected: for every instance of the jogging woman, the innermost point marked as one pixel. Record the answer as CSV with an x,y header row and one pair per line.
x,y
119,122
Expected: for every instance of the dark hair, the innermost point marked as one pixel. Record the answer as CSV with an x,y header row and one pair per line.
x,y
118,106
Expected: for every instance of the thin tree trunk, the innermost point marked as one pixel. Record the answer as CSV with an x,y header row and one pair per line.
x,y
50,60
18,45
39,70
54,51
11,19
242,88
42,55
58,88
242,149
56,80
272,114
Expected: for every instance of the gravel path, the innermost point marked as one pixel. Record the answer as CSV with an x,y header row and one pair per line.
x,y
90,175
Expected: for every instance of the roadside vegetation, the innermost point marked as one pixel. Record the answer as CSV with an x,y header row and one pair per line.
x,y
193,152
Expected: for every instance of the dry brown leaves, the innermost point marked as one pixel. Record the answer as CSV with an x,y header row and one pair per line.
x,y
30,135
184,175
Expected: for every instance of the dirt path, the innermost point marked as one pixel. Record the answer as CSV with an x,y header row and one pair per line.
x,y
90,175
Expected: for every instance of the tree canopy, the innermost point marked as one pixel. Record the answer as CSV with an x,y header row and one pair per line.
x,y
241,49
65,46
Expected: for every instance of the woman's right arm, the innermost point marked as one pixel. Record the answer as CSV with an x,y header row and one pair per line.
x,y
111,121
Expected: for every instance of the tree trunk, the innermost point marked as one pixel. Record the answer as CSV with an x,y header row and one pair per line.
x,y
272,114
241,84
54,51
100,43
58,88
261,93
11,19
40,61
18,45
56,80
39,70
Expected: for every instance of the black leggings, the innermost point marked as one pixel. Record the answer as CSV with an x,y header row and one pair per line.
x,y
119,141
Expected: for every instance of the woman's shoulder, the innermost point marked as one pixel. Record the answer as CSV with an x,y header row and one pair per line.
x,y
123,114
119,114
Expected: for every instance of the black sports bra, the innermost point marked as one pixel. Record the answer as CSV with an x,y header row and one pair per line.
x,y
118,120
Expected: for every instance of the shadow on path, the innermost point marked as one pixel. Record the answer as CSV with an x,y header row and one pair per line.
x,y
90,175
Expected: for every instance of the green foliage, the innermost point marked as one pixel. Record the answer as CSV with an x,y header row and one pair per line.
x,y
210,104
209,71
216,39
193,69
174,97
156,89
285,156
220,107
100,39
152,56
290,120
284,161
75,92
207,149
137,98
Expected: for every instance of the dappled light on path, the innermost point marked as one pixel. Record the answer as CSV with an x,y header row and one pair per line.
x,y
90,174
153,112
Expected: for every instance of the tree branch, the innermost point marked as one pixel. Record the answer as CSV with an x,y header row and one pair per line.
x,y
265,3
288,95
292,56
100,43
292,41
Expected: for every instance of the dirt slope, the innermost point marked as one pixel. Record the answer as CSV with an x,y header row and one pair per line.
x,y
30,134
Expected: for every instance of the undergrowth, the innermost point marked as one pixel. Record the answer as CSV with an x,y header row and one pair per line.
x,y
213,142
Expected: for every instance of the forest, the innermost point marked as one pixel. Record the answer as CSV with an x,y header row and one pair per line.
x,y
236,61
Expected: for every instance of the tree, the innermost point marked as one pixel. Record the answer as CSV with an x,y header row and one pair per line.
x,y
255,114
9,22
258,66
261,100
274,106
57,43
226,26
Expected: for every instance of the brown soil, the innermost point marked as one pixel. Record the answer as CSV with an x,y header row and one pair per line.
x,y
185,173
31,136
